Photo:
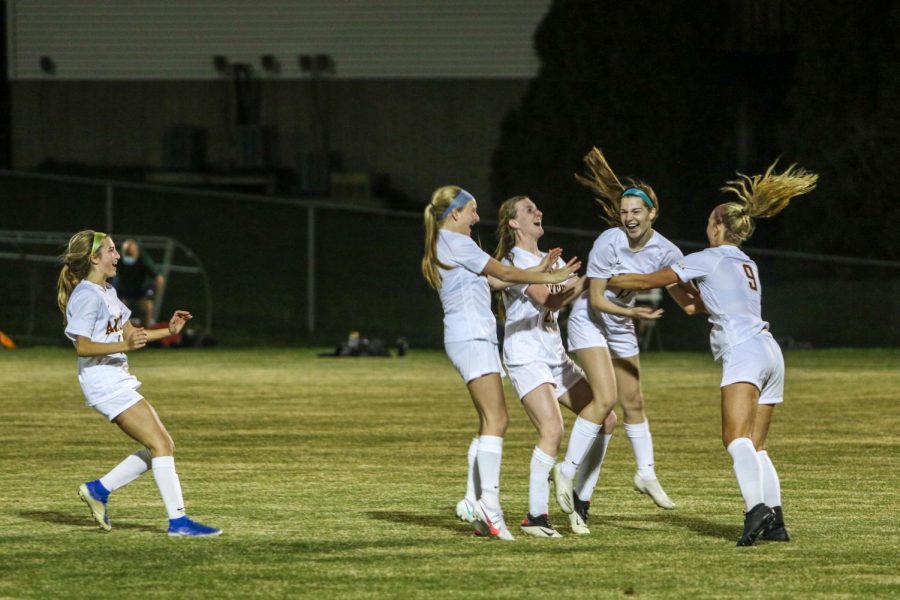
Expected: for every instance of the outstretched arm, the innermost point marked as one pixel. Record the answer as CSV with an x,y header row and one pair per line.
x,y
498,285
176,324
687,297
557,296
133,338
601,303
640,281
507,273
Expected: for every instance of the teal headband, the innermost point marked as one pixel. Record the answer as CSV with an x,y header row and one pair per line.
x,y
640,194
98,239
460,200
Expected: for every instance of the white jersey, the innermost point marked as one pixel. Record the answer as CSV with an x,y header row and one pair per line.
x,y
730,288
531,330
95,312
465,293
611,255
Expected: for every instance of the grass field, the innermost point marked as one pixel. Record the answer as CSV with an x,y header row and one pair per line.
x,y
338,477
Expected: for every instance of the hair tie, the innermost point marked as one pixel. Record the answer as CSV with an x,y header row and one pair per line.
x,y
640,194
459,201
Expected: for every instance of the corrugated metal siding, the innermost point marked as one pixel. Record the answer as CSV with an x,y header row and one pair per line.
x,y
169,39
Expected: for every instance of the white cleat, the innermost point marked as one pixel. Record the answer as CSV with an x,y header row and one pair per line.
x,y
97,506
652,488
493,520
465,510
564,489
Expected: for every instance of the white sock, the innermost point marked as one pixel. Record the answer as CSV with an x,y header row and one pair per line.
x,y
472,483
642,445
490,453
589,473
127,471
748,470
771,484
539,482
168,484
584,433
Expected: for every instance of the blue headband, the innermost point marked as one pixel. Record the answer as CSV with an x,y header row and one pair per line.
x,y
460,200
640,194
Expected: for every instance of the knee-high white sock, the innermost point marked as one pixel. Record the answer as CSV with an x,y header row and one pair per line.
x,y
748,470
127,471
642,445
771,483
489,456
539,482
169,485
473,486
584,433
589,473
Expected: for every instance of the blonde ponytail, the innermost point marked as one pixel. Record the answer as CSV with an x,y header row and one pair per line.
x,y
761,196
433,216
76,264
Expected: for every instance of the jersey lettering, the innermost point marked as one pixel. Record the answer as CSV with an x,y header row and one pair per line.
x,y
751,277
114,325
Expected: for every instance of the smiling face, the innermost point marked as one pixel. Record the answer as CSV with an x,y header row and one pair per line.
x,y
636,218
528,222
104,262
468,214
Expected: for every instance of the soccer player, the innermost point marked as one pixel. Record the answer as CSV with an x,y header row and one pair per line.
x,y
97,323
752,363
459,269
540,370
601,325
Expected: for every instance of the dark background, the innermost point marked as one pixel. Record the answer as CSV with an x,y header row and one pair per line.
x,y
680,94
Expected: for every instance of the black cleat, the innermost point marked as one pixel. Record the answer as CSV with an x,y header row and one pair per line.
x,y
539,527
579,517
755,522
776,531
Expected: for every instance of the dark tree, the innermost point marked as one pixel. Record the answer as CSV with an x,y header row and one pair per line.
x,y
684,94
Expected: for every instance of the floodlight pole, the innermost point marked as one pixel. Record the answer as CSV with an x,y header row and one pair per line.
x,y
310,269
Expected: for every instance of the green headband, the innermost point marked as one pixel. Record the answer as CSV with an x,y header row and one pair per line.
x,y
98,239
640,194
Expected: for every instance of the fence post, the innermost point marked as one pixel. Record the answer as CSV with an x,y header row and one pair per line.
x,y
310,269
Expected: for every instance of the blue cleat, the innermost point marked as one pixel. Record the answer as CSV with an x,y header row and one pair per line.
x,y
96,496
184,527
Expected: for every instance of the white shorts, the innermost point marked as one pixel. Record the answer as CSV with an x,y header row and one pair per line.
x,y
757,361
622,342
527,378
113,407
583,332
474,358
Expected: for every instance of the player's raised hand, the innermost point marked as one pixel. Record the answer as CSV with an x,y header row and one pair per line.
x,y
567,271
178,320
549,260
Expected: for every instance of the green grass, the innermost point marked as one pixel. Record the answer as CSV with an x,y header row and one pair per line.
x,y
338,477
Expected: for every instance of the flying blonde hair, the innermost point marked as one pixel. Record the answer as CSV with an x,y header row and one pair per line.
x,y
608,190
761,196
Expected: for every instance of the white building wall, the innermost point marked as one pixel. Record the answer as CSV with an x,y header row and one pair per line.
x,y
176,39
